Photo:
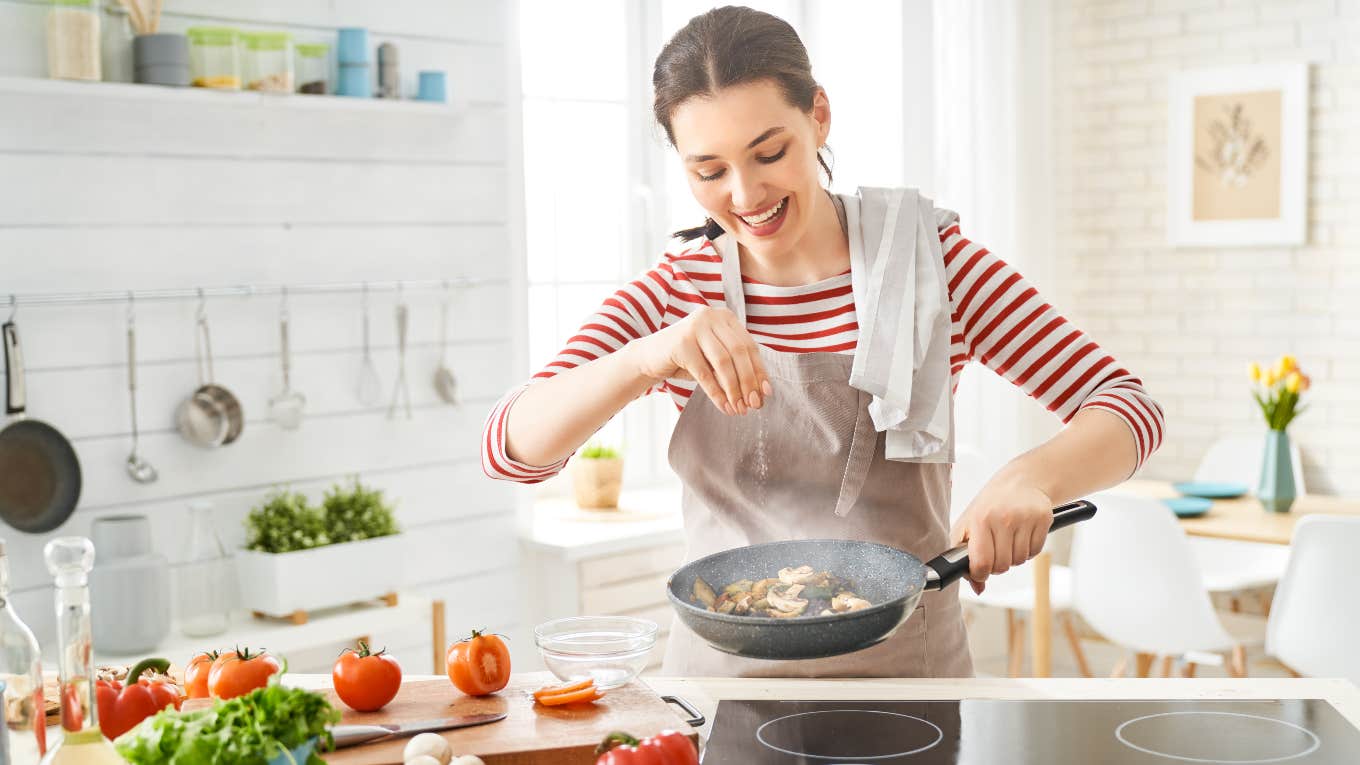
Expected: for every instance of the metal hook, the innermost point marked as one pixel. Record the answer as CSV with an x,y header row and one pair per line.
x,y
132,308
283,302
202,305
13,307
365,296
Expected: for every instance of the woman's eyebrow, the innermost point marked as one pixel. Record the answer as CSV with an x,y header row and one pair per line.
x,y
706,157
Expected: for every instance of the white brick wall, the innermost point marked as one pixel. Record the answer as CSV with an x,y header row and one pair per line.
x,y
1188,321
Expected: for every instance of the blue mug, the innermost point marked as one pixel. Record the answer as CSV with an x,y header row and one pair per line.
x,y
354,81
433,86
352,46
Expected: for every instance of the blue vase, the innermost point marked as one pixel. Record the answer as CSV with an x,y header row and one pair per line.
x,y
1276,490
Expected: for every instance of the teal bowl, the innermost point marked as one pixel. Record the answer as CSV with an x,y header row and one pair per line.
x,y
300,754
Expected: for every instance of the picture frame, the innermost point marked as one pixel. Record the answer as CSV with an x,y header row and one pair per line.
x,y
1237,156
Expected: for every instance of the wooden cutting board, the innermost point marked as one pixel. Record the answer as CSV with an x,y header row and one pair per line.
x,y
530,734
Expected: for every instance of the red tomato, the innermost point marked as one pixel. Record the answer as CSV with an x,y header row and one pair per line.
x,y
196,674
236,673
366,681
665,748
479,665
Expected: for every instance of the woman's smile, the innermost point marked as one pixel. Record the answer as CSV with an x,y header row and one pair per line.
x,y
766,222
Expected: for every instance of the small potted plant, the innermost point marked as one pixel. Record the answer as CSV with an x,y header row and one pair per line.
x,y
299,557
1277,391
597,477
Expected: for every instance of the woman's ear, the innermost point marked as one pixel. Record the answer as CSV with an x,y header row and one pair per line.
x,y
821,115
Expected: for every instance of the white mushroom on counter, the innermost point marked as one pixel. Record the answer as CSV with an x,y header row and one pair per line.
x,y
427,745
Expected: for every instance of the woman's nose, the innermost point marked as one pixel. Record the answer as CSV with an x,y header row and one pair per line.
x,y
748,194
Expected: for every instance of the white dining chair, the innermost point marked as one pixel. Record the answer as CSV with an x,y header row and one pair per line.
x,y
1314,626
1136,582
1013,591
1230,566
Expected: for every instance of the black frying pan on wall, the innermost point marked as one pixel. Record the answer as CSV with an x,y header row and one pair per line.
x,y
39,472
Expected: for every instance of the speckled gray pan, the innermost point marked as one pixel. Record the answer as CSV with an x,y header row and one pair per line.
x,y
891,579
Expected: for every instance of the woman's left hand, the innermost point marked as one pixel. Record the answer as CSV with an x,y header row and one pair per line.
x,y
1005,525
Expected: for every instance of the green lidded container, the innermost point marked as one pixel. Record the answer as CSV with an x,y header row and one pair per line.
x,y
214,61
313,68
267,61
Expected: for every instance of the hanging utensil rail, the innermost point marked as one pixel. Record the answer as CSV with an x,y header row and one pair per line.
x,y
13,301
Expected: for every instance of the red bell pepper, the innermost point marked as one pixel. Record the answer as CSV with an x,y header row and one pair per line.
x,y
121,706
665,748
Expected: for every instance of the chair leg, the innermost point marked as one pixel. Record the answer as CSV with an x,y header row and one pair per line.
x,y
1074,641
1166,666
1237,664
1015,649
1143,664
1121,667
1188,670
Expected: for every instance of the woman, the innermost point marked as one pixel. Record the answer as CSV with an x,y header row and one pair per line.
x,y
754,324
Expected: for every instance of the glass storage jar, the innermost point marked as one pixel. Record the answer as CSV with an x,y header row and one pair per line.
x,y
267,61
73,40
213,59
313,68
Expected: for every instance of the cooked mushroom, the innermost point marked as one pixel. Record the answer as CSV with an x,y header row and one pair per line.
x,y
763,586
703,592
848,601
785,598
738,587
800,575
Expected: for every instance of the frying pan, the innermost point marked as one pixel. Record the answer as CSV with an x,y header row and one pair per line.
x,y
891,579
39,472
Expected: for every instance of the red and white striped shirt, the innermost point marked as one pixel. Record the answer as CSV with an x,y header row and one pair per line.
x,y
997,318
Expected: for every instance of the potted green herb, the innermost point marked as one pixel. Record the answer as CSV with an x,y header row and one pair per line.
x,y
299,557
597,477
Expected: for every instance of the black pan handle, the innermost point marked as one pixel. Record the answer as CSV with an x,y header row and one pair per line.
x,y
944,568
695,719
15,398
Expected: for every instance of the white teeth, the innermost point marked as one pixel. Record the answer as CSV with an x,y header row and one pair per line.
x,y
756,220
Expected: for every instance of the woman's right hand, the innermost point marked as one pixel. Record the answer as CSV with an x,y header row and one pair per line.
x,y
711,347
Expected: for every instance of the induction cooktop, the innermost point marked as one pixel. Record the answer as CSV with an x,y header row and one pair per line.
x,y
987,732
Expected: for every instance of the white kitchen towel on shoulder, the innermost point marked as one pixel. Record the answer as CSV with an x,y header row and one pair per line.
x,y
901,298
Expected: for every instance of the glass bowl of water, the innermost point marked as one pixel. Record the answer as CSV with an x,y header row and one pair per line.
x,y
611,650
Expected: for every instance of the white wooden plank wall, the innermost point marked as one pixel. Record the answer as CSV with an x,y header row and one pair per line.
x,y
126,187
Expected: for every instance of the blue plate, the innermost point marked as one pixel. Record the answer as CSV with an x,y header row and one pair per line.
x,y
1188,507
1210,490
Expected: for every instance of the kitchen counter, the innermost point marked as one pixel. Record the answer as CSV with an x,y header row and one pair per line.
x,y
704,693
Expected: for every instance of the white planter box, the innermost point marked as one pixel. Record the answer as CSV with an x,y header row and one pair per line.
x,y
279,584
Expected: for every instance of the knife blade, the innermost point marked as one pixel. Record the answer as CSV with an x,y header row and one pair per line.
x,y
352,735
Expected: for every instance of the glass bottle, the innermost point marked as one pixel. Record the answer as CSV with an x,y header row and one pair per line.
x,y
203,584
20,672
69,560
73,40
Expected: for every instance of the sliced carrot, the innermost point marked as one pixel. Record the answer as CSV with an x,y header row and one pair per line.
x,y
590,694
553,690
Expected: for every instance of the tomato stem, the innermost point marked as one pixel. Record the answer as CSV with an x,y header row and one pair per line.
x,y
616,739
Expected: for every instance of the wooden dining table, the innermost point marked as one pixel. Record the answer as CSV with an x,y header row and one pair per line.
x,y
1242,518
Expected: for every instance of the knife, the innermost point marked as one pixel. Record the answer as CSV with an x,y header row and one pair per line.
x,y
352,735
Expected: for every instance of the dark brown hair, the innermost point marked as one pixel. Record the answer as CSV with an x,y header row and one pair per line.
x,y
727,46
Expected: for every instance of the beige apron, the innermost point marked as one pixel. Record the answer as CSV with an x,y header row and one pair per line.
x,y
809,464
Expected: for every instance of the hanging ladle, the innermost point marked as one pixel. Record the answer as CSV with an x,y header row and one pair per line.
x,y
400,392
286,407
137,466
445,384
369,390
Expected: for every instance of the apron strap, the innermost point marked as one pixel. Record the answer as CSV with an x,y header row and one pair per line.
x,y
733,294
861,457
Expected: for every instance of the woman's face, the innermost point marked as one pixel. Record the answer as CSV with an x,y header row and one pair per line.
x,y
751,161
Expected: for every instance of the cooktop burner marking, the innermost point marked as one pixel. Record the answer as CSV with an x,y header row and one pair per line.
x,y
939,735
1315,742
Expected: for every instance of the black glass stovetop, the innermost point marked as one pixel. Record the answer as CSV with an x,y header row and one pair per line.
x,y
978,732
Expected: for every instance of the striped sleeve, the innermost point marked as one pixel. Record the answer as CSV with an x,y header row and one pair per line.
x,y
639,308
1002,321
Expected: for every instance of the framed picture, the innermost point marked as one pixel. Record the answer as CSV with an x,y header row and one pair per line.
x,y
1237,155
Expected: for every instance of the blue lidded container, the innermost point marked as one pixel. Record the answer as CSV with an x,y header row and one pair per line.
x,y
353,55
433,86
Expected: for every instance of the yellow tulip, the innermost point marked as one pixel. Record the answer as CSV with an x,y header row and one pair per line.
x,y
1293,381
1288,363
1255,371
1271,378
